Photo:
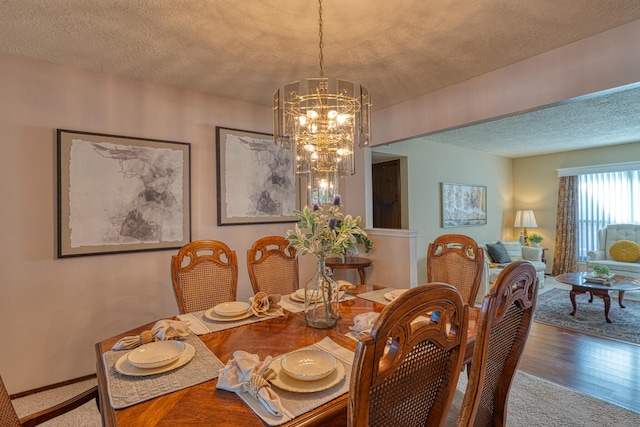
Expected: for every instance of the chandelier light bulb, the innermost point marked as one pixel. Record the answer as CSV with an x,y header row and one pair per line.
x,y
312,114
342,118
332,114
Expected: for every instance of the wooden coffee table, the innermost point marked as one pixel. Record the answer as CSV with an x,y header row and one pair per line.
x,y
580,286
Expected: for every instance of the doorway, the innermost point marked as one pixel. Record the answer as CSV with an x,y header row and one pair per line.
x,y
387,194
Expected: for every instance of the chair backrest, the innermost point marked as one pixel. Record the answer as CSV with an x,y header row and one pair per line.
x,y
273,266
209,278
457,260
507,313
8,416
405,372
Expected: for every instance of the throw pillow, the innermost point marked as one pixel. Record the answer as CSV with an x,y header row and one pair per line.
x,y
498,253
514,249
625,251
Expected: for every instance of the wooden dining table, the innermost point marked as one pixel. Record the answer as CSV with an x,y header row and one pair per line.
x,y
203,404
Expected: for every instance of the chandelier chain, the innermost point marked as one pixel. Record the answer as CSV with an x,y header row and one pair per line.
x,y
321,57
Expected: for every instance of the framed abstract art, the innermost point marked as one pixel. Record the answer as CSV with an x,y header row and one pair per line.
x,y
256,179
121,194
463,205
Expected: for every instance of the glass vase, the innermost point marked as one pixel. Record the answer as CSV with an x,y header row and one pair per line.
x,y
321,298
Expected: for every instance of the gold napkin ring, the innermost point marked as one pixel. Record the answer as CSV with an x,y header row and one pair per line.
x,y
255,384
146,337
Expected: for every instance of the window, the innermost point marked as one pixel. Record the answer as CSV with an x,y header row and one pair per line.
x,y
603,199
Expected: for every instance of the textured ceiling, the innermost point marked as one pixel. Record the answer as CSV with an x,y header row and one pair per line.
x,y
245,49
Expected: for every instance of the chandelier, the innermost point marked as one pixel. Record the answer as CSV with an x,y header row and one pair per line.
x,y
320,120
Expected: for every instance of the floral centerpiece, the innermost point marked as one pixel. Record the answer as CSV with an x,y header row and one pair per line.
x,y
327,233
324,232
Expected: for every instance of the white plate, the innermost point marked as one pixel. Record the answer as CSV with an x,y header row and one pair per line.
x,y
308,364
390,296
232,308
299,295
398,292
294,297
285,382
155,354
125,367
212,315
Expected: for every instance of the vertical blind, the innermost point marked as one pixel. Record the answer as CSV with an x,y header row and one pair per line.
x,y
603,199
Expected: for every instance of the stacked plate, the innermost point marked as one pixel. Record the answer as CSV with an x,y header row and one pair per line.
x,y
390,296
155,357
229,311
317,296
307,370
299,295
156,354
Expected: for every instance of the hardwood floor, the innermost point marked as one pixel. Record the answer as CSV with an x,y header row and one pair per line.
x,y
603,368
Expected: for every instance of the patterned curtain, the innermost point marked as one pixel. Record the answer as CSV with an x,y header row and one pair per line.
x,y
565,258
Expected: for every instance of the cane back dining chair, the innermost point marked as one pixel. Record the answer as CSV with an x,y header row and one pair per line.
x,y
273,266
457,260
405,372
503,328
9,417
209,278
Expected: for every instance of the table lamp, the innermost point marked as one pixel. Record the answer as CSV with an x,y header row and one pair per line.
x,y
524,219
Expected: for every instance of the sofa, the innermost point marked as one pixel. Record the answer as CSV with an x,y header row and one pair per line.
x,y
618,249
515,251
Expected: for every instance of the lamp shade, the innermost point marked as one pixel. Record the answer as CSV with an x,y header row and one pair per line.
x,y
525,219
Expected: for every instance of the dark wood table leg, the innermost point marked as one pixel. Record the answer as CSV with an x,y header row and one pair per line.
x,y
607,305
572,296
620,297
361,273
607,302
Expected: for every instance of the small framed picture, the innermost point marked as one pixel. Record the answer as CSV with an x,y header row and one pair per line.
x,y
255,179
463,205
121,194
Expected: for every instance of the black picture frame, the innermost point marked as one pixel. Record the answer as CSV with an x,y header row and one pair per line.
x,y
256,181
121,194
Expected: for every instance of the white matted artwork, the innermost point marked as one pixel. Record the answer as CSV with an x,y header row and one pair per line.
x,y
121,194
463,205
255,179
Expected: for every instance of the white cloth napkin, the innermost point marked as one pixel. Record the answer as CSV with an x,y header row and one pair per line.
x,y
363,323
345,285
245,372
266,305
162,330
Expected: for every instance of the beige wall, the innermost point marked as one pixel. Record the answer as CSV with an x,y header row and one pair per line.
x,y
433,163
52,310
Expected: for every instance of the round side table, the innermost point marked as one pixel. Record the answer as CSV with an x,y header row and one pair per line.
x,y
350,263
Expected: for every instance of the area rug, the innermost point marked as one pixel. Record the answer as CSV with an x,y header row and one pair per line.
x,y
534,401
553,307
